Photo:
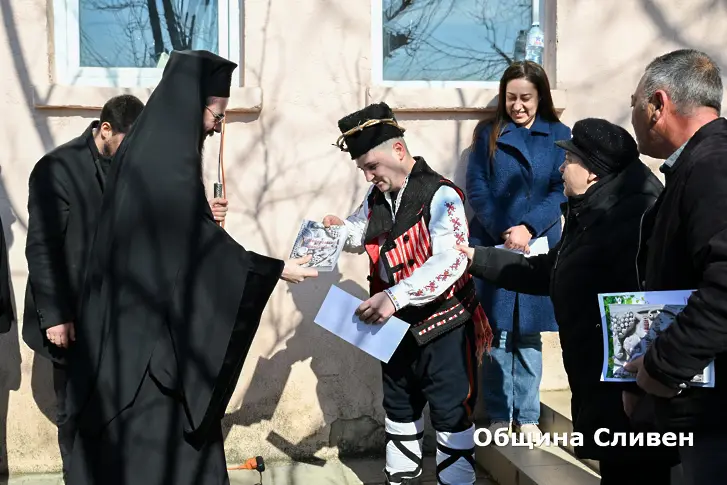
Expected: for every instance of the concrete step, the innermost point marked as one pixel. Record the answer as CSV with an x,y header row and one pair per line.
x,y
345,472
547,465
555,417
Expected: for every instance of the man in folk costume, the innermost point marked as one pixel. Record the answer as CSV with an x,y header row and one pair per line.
x,y
409,223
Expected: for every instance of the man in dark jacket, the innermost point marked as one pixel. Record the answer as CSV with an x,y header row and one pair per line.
x,y
608,190
65,192
7,311
675,114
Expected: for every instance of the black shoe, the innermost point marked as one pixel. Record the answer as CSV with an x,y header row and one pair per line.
x,y
412,481
407,481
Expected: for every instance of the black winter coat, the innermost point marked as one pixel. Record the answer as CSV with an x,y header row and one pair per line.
x,y
65,192
7,311
687,249
596,254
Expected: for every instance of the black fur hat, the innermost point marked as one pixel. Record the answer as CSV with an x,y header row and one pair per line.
x,y
367,128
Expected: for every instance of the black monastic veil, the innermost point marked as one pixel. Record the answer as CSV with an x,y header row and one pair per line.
x,y
170,304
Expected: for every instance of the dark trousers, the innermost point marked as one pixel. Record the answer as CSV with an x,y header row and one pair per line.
x,y
705,462
66,428
442,373
634,473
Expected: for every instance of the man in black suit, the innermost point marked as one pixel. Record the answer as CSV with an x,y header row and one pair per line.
x,y
65,195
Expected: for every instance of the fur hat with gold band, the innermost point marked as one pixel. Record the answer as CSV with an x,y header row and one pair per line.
x,y
367,128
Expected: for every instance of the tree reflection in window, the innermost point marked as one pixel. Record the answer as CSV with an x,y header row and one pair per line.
x,y
135,33
451,40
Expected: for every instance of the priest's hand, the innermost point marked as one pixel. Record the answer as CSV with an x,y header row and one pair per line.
x,y
329,221
61,335
218,205
376,309
295,272
646,382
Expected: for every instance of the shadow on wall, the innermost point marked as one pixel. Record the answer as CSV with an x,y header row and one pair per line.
x,y
41,380
9,345
41,383
348,395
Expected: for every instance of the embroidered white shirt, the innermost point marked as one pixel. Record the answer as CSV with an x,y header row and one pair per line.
x,y
447,228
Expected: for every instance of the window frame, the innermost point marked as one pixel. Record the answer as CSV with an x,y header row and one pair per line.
x,y
67,50
377,52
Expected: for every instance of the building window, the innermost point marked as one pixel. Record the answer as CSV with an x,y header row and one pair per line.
x,y
125,43
449,42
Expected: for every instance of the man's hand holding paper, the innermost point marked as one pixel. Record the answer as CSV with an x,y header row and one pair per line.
x,y
377,309
330,220
339,315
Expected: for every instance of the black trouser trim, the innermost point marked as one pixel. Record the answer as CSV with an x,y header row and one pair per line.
x,y
406,481
454,455
397,439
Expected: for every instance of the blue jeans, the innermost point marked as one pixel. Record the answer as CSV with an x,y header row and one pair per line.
x,y
511,378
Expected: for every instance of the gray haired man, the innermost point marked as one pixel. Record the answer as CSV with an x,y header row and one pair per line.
x,y
676,117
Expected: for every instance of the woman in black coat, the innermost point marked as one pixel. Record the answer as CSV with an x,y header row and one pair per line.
x,y
608,190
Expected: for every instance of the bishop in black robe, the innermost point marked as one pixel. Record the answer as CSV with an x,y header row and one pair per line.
x,y
170,302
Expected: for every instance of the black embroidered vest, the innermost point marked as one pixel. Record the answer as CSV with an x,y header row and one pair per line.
x,y
406,245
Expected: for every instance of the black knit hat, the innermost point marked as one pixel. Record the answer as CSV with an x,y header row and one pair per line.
x,y
603,147
367,128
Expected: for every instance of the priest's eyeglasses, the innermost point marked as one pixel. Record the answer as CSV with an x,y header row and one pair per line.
x,y
218,117
340,143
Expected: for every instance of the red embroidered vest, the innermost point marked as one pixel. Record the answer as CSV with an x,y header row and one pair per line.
x,y
405,245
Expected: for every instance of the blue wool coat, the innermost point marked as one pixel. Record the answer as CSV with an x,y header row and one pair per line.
x,y
522,185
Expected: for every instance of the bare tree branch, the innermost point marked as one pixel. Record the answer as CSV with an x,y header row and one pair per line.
x,y
144,29
415,48
156,28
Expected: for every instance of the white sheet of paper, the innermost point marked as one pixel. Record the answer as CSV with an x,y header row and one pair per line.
x,y
537,246
337,315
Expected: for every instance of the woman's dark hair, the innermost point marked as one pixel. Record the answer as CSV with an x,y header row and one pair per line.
x,y
534,73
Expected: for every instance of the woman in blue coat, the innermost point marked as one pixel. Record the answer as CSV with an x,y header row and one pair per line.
x,y
515,189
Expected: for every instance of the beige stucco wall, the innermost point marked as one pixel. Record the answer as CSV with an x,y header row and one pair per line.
x,y
306,64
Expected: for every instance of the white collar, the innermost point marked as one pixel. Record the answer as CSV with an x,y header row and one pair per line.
x,y
387,195
669,162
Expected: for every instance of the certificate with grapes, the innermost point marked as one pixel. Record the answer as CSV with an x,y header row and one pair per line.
x,y
630,323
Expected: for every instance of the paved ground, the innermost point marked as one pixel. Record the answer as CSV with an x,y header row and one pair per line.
x,y
356,472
